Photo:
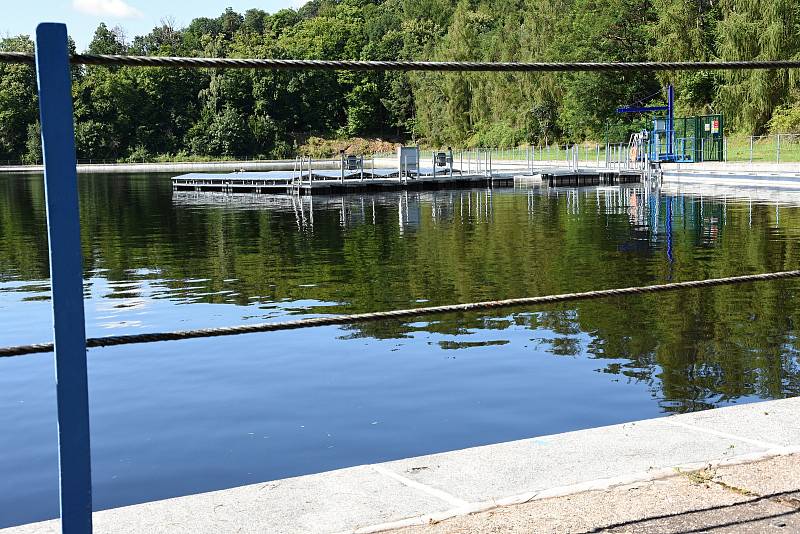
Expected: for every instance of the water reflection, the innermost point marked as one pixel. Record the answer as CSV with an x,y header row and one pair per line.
x,y
263,257
355,209
470,245
157,261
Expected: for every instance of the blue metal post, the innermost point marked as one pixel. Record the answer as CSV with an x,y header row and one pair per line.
x,y
668,229
61,191
670,119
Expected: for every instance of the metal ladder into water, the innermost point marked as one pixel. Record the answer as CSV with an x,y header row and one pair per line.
x,y
297,175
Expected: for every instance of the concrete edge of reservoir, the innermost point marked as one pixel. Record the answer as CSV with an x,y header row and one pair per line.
x,y
428,489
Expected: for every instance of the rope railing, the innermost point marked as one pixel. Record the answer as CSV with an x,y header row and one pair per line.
x,y
341,320
438,66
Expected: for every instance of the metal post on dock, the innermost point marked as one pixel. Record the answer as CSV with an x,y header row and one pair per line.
x,y
533,155
450,160
66,275
778,148
531,158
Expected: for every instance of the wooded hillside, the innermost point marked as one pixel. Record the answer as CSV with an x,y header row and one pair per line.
x,y
138,113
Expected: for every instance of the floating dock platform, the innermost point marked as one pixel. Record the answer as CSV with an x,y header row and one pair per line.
x,y
591,176
334,181
443,170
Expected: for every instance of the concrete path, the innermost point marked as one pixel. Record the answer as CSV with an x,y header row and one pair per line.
x,y
419,491
760,496
735,166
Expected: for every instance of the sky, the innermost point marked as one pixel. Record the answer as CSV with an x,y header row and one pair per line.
x,y
136,17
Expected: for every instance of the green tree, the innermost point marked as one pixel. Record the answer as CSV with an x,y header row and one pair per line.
x,y
125,112
757,31
33,144
616,30
107,41
18,100
685,31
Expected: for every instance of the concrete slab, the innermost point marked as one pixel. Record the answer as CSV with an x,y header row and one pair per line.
x,y
327,502
735,166
775,422
678,504
778,476
457,483
497,471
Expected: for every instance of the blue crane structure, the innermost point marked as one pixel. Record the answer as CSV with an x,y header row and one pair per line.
x,y
668,129
685,139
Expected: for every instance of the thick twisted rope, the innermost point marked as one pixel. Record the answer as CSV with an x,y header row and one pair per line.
x,y
339,320
439,66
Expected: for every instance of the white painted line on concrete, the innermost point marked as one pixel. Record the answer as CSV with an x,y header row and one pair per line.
x,y
601,484
757,443
443,495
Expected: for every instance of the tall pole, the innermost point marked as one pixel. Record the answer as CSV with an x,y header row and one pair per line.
x,y
66,276
670,117
450,155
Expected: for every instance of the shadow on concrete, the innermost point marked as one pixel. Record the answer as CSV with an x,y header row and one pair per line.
x,y
742,516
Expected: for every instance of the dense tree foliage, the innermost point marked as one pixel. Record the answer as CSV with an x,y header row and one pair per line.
x,y
142,112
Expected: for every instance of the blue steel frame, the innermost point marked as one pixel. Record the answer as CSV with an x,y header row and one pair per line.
x,y
668,131
66,275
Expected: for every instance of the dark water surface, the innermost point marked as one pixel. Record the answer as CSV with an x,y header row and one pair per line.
x,y
175,418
